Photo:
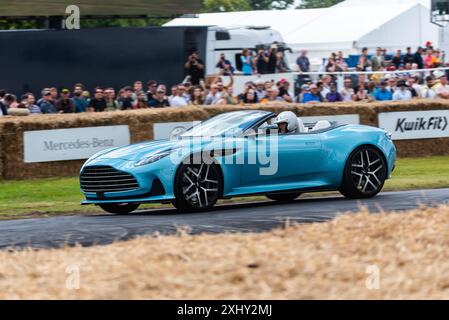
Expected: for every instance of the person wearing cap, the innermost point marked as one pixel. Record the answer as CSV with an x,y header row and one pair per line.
x,y
284,92
304,89
441,86
64,104
47,105
402,92
312,96
159,99
260,89
382,93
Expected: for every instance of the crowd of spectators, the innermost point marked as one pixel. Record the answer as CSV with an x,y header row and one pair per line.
x,y
396,77
156,96
401,81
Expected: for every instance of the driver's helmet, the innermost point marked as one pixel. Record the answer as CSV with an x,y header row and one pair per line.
x,y
289,118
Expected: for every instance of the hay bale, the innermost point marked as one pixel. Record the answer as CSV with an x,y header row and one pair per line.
x,y
18,112
141,123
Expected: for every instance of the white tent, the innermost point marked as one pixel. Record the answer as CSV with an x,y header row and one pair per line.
x,y
347,26
355,24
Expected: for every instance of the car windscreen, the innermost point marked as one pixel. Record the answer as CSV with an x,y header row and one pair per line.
x,y
226,124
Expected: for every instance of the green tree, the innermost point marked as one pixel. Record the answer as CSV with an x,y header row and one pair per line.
x,y
244,5
270,4
225,5
309,4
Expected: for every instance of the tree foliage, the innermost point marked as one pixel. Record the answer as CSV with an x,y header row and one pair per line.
x,y
310,4
270,4
244,5
225,5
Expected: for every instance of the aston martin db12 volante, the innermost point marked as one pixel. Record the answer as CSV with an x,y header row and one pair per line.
x,y
240,153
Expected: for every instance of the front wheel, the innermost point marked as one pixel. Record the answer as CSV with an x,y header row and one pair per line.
x,y
119,208
284,197
197,186
365,173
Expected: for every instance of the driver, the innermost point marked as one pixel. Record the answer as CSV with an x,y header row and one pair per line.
x,y
287,122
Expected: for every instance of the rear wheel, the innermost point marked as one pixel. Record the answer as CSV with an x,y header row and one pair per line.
x,y
365,173
284,197
119,208
197,186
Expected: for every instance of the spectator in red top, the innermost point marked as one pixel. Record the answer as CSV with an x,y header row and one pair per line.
x,y
428,60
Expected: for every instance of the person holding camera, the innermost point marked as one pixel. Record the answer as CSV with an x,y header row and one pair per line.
x,y
195,68
225,66
262,62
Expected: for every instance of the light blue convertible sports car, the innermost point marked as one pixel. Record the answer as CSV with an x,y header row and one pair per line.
x,y
242,153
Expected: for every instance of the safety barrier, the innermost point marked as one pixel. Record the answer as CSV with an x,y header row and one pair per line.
x,y
141,128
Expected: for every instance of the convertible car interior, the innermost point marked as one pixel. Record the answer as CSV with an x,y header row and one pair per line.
x,y
304,128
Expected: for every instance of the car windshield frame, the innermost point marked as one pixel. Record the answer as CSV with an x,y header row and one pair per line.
x,y
229,124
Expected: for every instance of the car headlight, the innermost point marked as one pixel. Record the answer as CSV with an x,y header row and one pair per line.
x,y
154,157
388,135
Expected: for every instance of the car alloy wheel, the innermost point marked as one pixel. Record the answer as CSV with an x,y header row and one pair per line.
x,y
365,173
198,186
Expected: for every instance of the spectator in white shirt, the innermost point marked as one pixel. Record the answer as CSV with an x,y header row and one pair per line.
x,y
442,86
402,92
179,100
174,93
427,91
213,96
348,91
260,89
327,80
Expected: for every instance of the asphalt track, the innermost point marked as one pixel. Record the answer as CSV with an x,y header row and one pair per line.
x,y
248,217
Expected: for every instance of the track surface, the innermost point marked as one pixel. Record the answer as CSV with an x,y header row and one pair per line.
x,y
254,217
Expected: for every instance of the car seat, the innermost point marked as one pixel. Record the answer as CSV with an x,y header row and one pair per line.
x,y
301,128
321,125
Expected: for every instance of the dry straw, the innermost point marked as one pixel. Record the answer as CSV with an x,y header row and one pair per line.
x,y
356,256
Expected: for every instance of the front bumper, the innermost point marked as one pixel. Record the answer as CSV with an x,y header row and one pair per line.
x,y
155,183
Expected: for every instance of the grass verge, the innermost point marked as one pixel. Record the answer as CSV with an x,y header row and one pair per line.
x,y
355,256
57,196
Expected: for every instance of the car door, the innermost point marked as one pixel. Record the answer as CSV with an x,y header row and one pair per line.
x,y
282,159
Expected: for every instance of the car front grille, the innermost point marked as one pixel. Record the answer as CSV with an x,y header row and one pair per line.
x,y
106,179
